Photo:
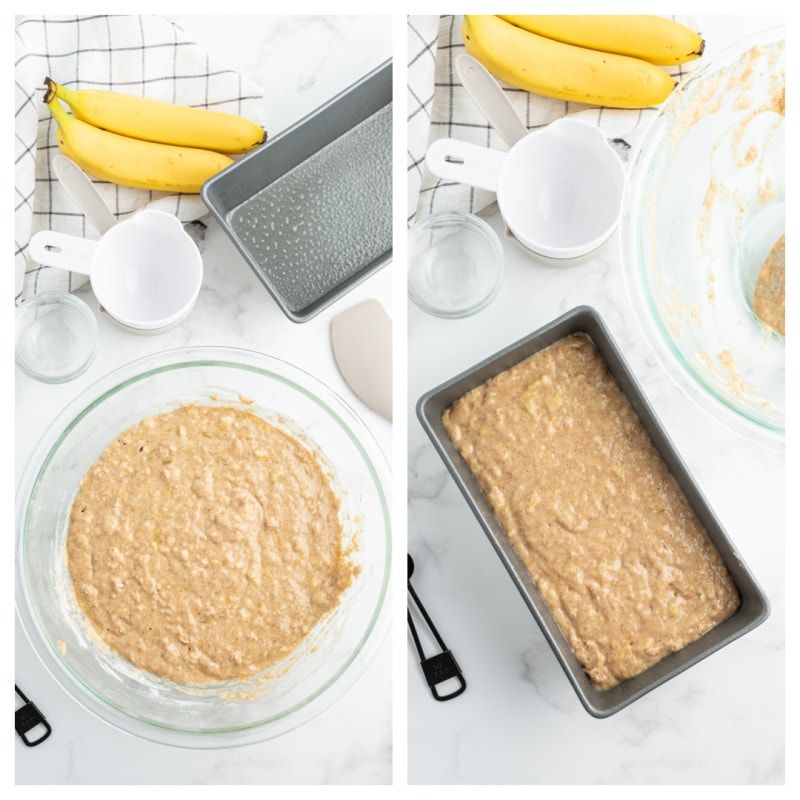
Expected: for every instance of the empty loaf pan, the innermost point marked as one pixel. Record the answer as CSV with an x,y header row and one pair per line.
x,y
753,608
311,209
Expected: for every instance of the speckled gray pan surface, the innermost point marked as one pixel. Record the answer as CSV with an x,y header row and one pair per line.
x,y
311,210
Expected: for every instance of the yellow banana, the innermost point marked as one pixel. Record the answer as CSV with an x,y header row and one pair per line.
x,y
133,162
564,71
158,121
655,39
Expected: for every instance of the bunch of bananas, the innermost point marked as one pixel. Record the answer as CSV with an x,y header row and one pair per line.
x,y
613,60
144,143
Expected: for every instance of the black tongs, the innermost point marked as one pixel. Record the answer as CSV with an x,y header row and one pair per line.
x,y
442,666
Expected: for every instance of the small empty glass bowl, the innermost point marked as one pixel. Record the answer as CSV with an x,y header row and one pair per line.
x,y
455,264
56,337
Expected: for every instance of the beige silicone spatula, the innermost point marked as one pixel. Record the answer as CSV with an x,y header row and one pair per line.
x,y
362,345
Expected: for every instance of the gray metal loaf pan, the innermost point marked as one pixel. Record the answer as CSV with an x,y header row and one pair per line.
x,y
311,210
754,608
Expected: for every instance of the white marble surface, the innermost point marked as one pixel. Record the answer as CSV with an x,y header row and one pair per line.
x,y
300,62
519,721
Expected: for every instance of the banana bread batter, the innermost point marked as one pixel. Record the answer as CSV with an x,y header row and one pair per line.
x,y
769,297
601,525
204,544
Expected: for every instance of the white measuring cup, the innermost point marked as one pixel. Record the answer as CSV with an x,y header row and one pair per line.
x,y
559,189
145,272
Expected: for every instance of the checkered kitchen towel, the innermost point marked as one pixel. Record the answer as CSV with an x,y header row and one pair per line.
x,y
439,106
145,55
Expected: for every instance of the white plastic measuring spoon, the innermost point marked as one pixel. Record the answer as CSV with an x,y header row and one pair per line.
x,y
489,97
83,193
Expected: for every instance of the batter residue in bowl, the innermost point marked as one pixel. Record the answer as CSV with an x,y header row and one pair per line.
x,y
769,297
204,544
604,530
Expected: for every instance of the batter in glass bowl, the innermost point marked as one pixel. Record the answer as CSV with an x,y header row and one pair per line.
x,y
204,544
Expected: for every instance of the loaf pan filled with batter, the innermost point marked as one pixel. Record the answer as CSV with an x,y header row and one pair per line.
x,y
609,540
311,209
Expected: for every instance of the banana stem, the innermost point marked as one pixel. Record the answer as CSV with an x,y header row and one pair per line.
x,y
50,90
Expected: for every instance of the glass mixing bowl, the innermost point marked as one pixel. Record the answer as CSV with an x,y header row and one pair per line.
x,y
704,204
231,713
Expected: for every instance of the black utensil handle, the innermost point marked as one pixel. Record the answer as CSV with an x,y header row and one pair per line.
x,y
428,620
26,718
440,667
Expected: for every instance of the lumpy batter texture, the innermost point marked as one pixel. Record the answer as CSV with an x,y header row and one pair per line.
x,y
204,544
610,540
769,298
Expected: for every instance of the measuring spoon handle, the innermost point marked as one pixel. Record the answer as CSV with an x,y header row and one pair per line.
x,y
63,251
440,667
464,162
83,193
491,100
